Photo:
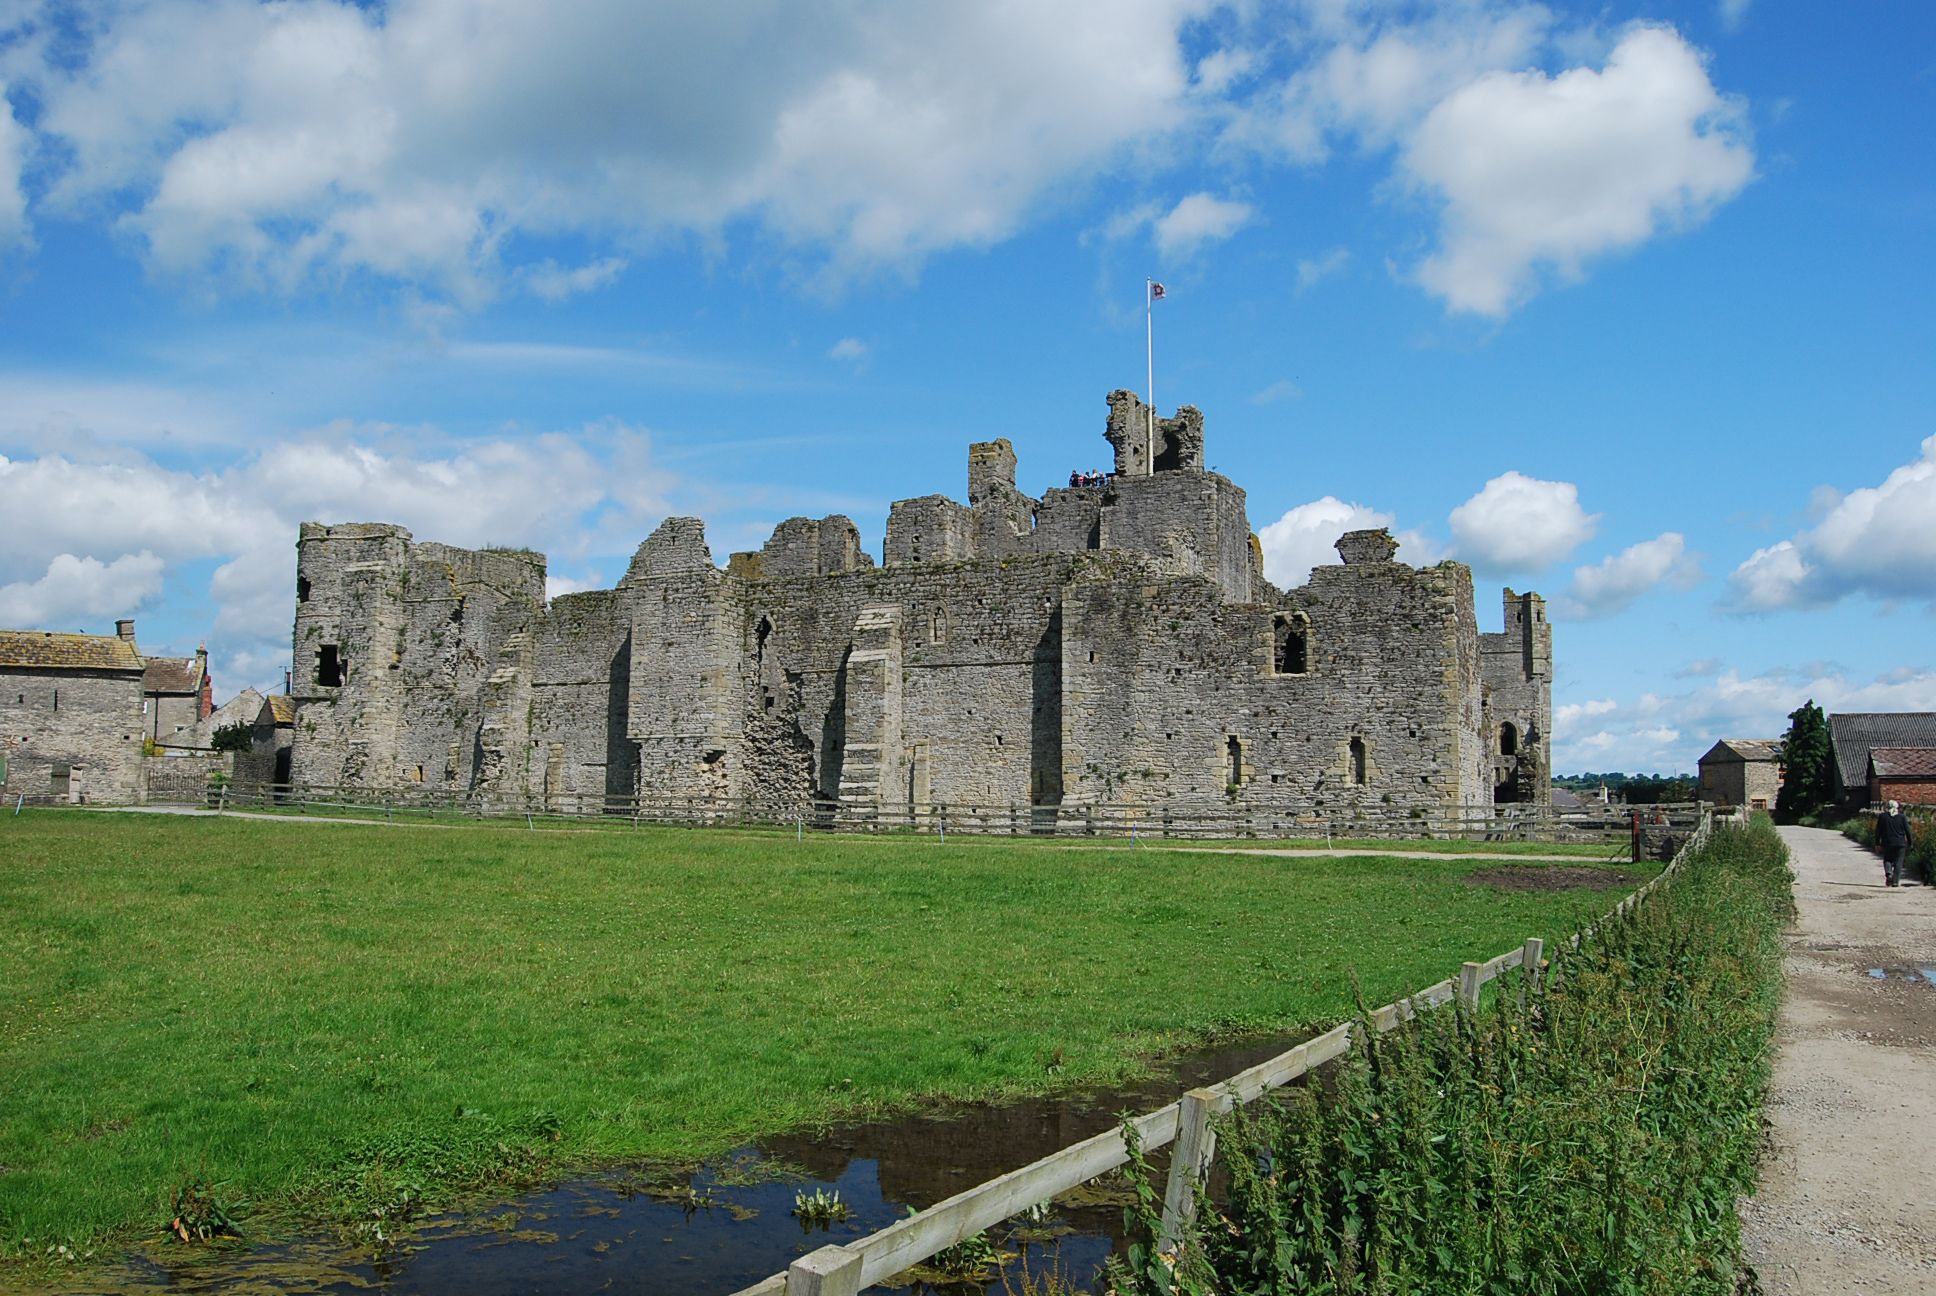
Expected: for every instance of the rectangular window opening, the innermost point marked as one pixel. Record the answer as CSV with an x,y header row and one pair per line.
x,y
330,667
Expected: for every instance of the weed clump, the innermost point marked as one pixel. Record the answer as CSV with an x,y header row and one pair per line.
x,y
1591,1136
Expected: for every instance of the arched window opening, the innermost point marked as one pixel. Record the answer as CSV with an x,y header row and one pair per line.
x,y
761,633
938,632
1235,751
1358,775
1290,644
1508,740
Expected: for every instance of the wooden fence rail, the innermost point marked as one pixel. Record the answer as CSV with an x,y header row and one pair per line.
x,y
845,1269
1103,820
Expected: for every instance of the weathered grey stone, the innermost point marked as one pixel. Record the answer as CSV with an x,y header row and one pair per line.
x,y
1114,643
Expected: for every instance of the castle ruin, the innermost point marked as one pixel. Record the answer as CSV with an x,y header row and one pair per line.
x,y
1104,644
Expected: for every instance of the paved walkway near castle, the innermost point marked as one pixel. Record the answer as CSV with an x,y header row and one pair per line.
x,y
1848,1192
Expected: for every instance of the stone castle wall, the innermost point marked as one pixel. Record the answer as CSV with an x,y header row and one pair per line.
x,y
1112,643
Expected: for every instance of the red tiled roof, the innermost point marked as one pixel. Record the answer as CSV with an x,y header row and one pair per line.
x,y
44,650
1903,762
171,675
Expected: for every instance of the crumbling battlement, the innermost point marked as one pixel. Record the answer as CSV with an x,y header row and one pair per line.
x,y
1105,643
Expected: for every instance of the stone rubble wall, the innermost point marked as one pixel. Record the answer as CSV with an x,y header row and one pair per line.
x,y
1104,644
94,727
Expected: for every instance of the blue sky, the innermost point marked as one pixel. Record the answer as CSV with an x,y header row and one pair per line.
x,y
1628,304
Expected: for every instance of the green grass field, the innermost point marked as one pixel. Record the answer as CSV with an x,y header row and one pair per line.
x,y
335,1021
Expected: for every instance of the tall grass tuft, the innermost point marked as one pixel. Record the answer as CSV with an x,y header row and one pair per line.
x,y
1589,1137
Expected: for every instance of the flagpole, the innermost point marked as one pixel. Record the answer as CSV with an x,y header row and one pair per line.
x,y
1149,355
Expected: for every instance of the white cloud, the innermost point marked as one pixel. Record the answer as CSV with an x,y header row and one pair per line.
x,y
13,159
1669,733
1520,523
76,590
556,493
555,283
1616,581
273,143
1315,270
1876,540
1734,13
1553,171
1573,712
1282,389
1307,537
1199,219
849,350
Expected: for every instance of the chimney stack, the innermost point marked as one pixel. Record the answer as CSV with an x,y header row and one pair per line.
x,y
125,629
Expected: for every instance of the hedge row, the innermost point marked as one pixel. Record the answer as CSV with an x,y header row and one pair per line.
x,y
1592,1136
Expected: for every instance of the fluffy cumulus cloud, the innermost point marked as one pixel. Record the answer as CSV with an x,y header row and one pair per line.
x,y
1878,541
1197,220
1520,523
305,142
1539,171
1307,537
1668,732
1616,581
82,590
133,520
277,142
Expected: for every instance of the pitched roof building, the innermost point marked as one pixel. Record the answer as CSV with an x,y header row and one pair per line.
x,y
1742,772
1853,735
70,715
1905,774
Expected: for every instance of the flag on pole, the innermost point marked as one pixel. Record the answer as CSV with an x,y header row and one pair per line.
x,y
1156,291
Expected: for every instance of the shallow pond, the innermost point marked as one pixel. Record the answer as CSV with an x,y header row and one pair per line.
x,y
730,1225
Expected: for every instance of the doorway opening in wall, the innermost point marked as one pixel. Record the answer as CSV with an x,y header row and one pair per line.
x,y
1508,739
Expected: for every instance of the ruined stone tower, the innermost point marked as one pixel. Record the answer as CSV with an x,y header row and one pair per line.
x,y
1113,643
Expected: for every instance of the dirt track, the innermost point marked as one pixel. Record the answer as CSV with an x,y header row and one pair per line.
x,y
1848,1193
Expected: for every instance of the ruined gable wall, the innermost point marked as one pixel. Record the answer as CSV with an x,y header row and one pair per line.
x,y
411,633
976,686
1517,668
573,752
1161,674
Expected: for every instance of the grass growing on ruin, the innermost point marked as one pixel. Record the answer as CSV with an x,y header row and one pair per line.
x,y
352,1023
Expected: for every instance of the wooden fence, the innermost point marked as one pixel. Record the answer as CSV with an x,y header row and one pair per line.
x,y
846,1269
1098,820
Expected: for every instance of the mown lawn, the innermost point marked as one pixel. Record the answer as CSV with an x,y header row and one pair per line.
x,y
335,1021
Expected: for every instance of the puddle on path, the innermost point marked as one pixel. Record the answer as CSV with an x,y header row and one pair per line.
x,y
1920,975
602,1234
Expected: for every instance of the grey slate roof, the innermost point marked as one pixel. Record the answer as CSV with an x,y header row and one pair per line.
x,y
1854,733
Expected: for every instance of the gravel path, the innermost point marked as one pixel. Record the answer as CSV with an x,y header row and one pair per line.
x,y
1848,1193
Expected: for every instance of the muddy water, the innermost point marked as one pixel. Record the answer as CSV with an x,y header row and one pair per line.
x,y
717,1232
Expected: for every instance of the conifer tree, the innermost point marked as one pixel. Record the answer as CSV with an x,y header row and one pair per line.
x,y
1808,785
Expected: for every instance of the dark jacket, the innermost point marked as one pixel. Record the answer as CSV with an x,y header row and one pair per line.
x,y
1892,832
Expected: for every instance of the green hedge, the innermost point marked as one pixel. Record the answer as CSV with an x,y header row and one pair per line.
x,y
1922,840
1592,1140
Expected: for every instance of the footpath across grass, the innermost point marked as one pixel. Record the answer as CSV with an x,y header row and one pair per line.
x,y
350,1024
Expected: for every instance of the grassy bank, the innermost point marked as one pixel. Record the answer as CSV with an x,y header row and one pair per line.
x,y
349,1023
1592,1140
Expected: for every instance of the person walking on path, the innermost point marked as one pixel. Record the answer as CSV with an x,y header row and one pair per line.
x,y
1892,838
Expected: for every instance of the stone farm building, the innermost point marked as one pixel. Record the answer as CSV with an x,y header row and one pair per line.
x,y
1856,736
71,716
1114,643
1742,772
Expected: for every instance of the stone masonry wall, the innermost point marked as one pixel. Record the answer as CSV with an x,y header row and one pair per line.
x,y
87,722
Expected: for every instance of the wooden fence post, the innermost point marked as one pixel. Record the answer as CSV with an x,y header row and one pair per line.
x,y
1469,984
830,1271
1529,966
1189,1163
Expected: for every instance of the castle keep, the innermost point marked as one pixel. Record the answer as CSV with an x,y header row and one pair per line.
x,y
1113,643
